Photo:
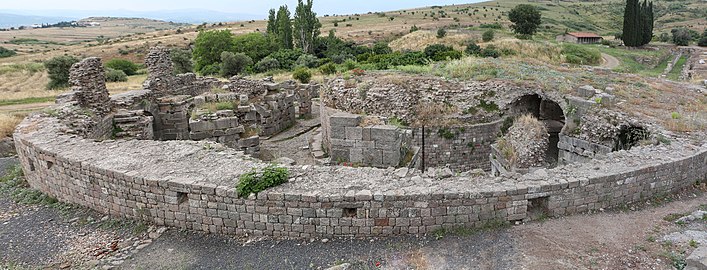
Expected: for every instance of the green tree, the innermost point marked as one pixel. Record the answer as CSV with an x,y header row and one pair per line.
x,y
234,63
703,40
306,26
181,60
256,45
208,47
681,36
638,23
488,35
272,22
58,69
284,28
129,68
115,75
526,19
441,33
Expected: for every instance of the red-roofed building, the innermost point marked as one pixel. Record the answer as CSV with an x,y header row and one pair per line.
x,y
580,38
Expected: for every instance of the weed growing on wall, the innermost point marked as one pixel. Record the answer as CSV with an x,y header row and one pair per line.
x,y
259,180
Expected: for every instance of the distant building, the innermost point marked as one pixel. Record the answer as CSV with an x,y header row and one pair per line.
x,y
580,38
89,24
36,26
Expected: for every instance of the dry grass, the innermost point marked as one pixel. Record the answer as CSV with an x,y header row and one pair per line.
x,y
419,40
8,122
133,83
525,49
435,114
20,84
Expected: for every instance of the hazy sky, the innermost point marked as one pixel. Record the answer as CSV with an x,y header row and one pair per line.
x,y
258,7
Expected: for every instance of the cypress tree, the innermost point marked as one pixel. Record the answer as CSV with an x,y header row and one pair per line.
x,y
638,23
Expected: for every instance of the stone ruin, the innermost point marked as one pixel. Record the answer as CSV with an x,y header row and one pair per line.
x,y
419,153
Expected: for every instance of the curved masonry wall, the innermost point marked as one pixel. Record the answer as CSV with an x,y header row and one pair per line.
x,y
119,181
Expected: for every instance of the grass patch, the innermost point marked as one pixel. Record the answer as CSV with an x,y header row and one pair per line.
x,y
258,180
674,216
31,41
674,74
14,185
29,100
581,55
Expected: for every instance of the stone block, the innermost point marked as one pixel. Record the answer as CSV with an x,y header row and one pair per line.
x,y
372,157
356,155
586,91
354,133
344,120
384,133
339,154
390,158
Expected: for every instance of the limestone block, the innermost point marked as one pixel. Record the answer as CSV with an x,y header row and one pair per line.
x,y
384,133
373,157
586,91
354,133
344,120
390,158
198,126
339,154
356,155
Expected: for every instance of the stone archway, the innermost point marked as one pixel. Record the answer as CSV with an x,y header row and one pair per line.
x,y
547,111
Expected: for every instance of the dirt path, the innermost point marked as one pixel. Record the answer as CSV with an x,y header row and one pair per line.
x,y
294,142
609,62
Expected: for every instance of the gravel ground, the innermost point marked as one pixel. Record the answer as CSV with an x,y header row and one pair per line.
x,y
186,250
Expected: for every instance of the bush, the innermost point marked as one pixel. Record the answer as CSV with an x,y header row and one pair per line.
x,y
181,60
491,26
211,69
234,63
302,74
441,33
681,36
576,54
58,69
267,64
472,48
703,40
350,64
381,48
490,51
256,181
488,35
4,52
115,75
129,68
341,58
307,60
386,61
328,69
439,52
286,57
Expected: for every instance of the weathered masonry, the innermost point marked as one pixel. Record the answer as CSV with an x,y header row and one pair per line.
x,y
172,153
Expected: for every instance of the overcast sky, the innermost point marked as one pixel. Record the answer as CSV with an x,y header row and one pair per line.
x,y
257,7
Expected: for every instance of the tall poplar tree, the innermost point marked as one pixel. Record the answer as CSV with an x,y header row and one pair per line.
x,y
272,22
284,28
306,26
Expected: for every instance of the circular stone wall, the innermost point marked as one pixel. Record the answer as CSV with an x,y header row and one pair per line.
x,y
191,185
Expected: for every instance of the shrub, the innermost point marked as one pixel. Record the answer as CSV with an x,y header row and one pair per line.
x,y
491,25
472,48
181,60
4,52
350,64
681,36
441,33
381,48
398,59
576,54
267,64
341,58
286,57
302,74
211,69
255,45
358,72
234,63
703,40
488,35
58,69
115,75
258,180
307,60
439,52
328,69
490,51
129,68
